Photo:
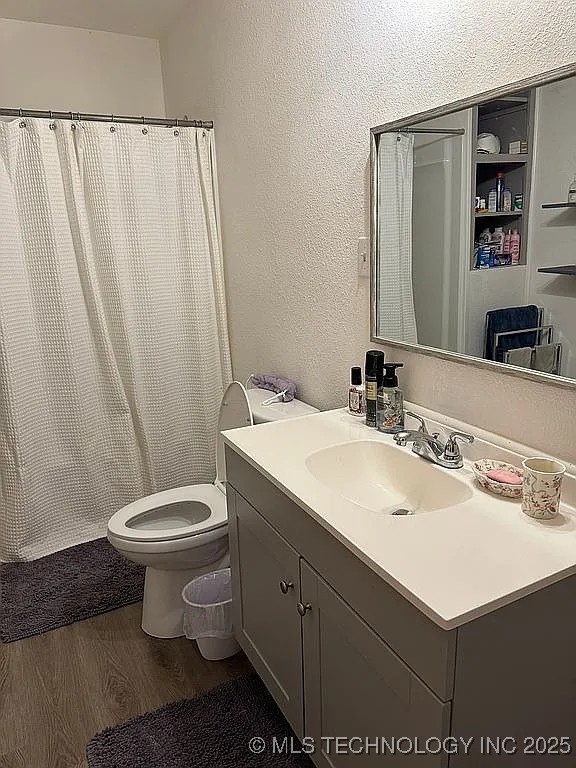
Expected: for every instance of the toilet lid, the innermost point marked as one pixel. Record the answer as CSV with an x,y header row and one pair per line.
x,y
235,412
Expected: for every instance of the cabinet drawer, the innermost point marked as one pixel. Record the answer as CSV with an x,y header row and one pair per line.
x,y
423,645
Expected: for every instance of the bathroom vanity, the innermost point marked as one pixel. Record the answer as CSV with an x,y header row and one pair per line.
x,y
455,621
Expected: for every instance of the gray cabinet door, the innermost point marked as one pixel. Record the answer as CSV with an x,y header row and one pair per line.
x,y
356,686
266,578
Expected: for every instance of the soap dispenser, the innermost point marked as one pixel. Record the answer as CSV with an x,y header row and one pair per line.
x,y
390,401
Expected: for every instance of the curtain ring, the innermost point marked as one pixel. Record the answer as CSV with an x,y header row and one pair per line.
x,y
144,129
22,122
112,127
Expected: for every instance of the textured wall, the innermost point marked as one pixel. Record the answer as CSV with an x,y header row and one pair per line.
x,y
44,66
294,87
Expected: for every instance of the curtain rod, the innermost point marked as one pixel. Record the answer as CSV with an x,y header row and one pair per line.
x,y
171,122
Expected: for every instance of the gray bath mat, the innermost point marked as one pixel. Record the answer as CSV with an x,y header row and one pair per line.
x,y
65,587
212,731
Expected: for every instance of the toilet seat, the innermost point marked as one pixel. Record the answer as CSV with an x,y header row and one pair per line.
x,y
171,520
137,520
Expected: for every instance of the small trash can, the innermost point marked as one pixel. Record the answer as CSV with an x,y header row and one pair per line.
x,y
208,614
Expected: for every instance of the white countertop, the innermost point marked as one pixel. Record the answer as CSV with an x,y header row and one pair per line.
x,y
454,564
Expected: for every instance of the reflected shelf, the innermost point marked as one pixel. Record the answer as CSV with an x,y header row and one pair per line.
x,y
496,214
504,104
495,268
484,159
565,269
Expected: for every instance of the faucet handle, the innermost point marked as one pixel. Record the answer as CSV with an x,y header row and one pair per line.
x,y
452,449
422,428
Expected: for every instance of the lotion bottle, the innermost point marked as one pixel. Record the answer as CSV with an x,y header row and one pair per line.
x,y
390,402
356,392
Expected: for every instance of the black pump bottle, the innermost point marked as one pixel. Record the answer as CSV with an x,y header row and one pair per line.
x,y
373,375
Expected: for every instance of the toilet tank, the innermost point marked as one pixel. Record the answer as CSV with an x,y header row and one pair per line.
x,y
276,411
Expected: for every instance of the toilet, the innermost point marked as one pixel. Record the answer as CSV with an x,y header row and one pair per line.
x,y
182,533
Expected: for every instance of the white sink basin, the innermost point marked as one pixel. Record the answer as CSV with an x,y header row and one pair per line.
x,y
386,478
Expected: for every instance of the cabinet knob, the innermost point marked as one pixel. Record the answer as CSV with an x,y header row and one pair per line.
x,y
285,586
303,608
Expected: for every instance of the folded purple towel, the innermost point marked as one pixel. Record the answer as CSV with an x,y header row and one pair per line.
x,y
275,384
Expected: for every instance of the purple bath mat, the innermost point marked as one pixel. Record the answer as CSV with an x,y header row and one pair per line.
x,y
236,725
68,586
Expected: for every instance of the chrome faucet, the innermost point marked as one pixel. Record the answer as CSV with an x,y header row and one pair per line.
x,y
423,429
430,447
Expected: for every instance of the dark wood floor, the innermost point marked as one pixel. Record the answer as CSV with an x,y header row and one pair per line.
x,y
58,689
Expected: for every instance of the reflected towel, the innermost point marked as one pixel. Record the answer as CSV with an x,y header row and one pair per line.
x,y
544,359
522,357
510,319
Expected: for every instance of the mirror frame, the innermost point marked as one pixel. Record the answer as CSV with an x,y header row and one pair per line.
x,y
551,76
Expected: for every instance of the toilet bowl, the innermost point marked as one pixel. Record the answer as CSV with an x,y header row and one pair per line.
x,y
182,533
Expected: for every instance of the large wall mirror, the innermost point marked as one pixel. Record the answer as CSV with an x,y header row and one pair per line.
x,y
474,229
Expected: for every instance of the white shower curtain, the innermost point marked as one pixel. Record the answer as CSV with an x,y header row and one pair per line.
x,y
395,312
113,333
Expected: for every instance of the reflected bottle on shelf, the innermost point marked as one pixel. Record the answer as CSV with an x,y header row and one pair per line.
x,y
500,186
515,247
492,201
498,241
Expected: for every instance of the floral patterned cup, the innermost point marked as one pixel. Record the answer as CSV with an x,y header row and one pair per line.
x,y
542,483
